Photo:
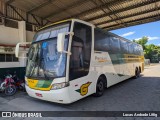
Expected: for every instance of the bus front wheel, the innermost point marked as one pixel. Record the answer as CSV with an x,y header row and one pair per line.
x,y
100,87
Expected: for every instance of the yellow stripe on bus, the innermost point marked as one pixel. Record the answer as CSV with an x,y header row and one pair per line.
x,y
135,58
33,85
54,24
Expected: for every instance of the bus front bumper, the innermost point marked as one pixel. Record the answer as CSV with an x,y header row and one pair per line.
x,y
58,96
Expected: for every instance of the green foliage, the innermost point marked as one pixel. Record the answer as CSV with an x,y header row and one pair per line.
x,y
143,41
151,51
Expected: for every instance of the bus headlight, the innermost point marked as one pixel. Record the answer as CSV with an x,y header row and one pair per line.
x,y
59,85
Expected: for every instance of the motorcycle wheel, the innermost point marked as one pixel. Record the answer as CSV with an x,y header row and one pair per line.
x,y
10,90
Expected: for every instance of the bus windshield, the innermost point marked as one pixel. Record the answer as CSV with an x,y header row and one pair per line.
x,y
44,62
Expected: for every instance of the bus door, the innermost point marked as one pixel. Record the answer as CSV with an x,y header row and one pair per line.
x,y
79,75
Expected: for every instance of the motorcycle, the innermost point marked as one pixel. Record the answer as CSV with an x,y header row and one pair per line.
x,y
20,84
8,86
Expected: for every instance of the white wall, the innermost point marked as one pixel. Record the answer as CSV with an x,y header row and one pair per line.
x,y
11,35
9,64
30,36
8,35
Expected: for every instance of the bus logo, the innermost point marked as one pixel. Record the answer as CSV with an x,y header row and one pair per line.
x,y
84,88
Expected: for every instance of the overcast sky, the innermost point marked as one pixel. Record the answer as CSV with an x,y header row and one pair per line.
x,y
151,30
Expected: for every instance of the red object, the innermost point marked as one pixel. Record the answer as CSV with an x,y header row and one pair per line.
x,y
8,80
38,94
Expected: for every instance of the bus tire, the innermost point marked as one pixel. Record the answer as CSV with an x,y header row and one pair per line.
x,y
137,73
100,87
140,69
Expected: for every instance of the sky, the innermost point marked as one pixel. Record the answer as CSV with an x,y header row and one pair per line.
x,y
151,30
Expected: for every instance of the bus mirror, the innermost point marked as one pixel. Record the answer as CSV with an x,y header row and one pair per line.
x,y
17,49
60,42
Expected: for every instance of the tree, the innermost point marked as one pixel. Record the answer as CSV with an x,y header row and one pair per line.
x,y
143,41
151,51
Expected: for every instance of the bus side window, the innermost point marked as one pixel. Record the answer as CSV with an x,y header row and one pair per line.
x,y
115,44
131,48
77,53
102,41
124,47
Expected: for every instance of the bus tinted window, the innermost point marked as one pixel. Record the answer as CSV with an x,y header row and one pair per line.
x,y
102,41
130,48
51,32
81,51
124,46
141,50
136,49
55,31
108,42
115,44
45,35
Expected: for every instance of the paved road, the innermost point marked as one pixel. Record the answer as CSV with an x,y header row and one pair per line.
x,y
142,94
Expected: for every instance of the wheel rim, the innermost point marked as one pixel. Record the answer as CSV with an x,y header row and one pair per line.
x,y
100,87
10,90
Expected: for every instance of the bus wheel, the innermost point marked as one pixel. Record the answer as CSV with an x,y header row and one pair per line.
x,y
137,73
100,87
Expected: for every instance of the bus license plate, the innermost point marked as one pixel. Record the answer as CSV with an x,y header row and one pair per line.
x,y
38,94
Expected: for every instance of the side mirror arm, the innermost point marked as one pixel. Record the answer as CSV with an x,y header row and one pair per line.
x,y
71,34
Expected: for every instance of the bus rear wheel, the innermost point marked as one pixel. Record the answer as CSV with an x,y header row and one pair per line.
x,y
137,73
100,87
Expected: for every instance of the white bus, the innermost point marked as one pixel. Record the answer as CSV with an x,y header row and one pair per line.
x,y
72,59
